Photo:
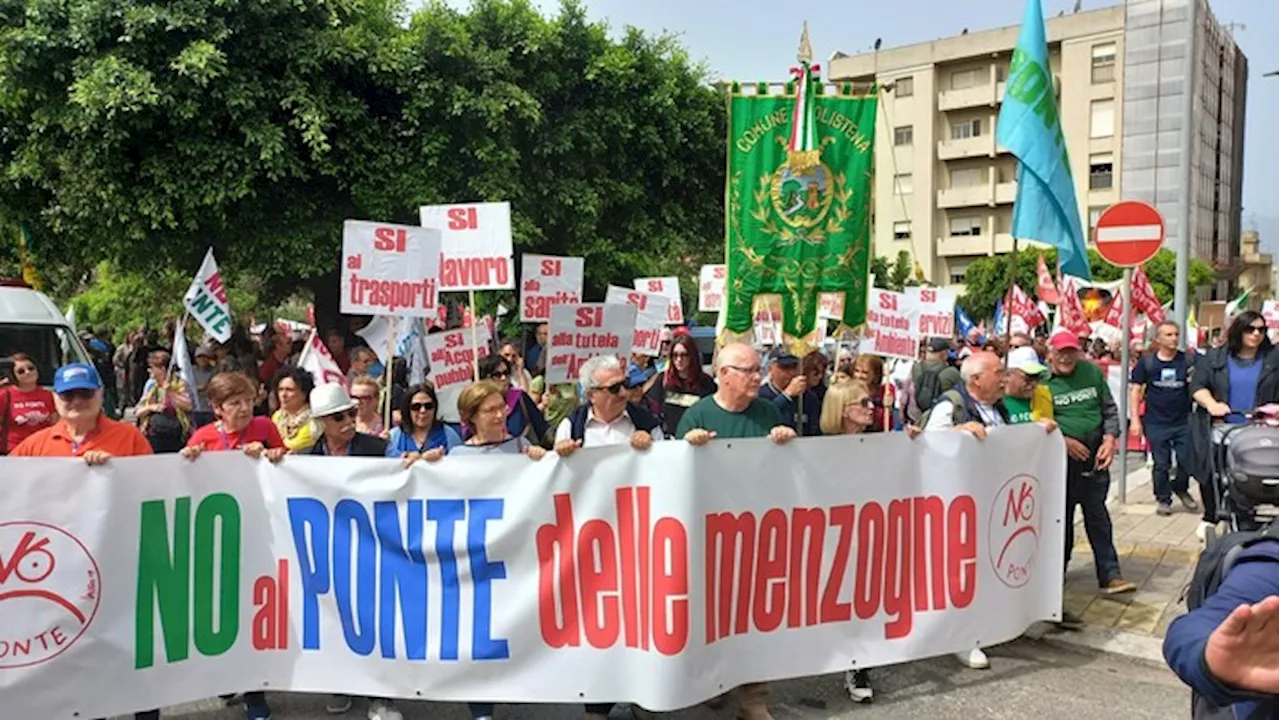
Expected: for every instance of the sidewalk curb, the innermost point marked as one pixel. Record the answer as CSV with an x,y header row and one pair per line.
x,y
1143,648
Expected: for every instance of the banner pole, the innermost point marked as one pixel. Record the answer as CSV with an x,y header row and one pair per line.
x,y
475,336
394,323
1008,300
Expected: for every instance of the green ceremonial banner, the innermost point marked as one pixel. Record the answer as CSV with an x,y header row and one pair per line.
x,y
798,233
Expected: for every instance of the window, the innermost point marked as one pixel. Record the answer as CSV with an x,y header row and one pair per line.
x,y
967,129
902,230
902,184
1002,71
962,79
1104,63
957,275
1102,118
903,135
1100,173
961,227
1094,213
904,87
970,177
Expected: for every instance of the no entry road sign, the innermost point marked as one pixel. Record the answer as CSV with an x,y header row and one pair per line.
x,y
1129,233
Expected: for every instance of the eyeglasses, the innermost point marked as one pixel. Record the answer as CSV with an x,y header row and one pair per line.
x,y
500,374
81,394
363,398
342,415
422,407
1257,329
753,370
24,370
613,389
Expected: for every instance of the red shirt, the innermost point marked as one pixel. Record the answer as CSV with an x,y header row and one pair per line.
x,y
259,429
26,411
269,368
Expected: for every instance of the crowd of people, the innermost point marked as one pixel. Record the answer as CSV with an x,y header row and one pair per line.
x,y
252,397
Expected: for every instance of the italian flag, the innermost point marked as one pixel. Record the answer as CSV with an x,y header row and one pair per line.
x,y
1236,306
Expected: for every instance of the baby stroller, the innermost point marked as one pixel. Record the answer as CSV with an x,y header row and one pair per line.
x,y
1246,470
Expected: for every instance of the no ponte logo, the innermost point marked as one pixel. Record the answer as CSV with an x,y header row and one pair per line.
x,y
49,592
1013,530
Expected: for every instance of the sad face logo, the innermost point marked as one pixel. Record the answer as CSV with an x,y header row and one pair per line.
x,y
49,592
1013,530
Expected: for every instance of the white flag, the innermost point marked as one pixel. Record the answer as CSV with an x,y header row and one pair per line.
x,y
317,360
183,358
378,333
206,300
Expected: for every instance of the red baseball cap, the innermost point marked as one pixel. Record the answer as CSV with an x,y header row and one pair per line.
x,y
1064,340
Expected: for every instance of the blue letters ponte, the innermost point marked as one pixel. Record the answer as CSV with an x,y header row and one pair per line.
x,y
389,572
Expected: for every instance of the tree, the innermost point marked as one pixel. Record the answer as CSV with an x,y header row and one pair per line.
x,y
987,279
893,277
143,133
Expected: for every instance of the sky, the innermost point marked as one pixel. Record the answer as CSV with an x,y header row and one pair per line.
x,y
756,40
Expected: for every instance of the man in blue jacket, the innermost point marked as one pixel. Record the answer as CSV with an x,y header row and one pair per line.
x,y
1227,649
789,391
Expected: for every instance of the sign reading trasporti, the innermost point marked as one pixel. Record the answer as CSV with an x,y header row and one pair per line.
x,y
389,269
1129,233
475,245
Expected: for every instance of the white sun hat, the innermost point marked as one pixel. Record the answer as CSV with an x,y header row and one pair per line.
x,y
330,398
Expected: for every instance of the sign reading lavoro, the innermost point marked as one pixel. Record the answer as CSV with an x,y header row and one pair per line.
x,y
389,269
1129,233
476,245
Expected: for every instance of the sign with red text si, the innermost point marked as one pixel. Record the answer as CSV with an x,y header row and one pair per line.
x,y
712,284
830,306
547,281
651,316
578,332
389,269
475,245
450,355
893,325
937,311
669,288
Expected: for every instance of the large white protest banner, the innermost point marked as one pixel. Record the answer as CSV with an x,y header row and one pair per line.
x,y
547,281
317,360
668,287
582,331
389,269
712,285
659,578
651,316
893,325
206,300
937,310
476,245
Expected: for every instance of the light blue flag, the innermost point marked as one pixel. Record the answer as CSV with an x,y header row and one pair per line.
x,y
998,323
963,322
1045,208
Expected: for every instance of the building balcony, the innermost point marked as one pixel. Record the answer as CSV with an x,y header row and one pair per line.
x,y
964,245
1006,192
981,146
977,96
969,196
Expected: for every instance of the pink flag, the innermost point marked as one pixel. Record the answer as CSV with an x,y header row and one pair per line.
x,y
1144,297
1045,288
1024,307
1070,311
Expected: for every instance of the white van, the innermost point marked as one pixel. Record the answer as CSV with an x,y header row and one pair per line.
x,y
30,323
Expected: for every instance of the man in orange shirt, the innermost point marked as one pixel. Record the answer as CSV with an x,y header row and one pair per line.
x,y
83,430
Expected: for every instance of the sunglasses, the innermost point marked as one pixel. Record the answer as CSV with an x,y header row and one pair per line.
x,y
70,395
362,398
343,415
422,407
1257,329
25,370
680,353
499,374
613,389
867,403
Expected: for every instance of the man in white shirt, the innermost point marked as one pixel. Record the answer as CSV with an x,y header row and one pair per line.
x,y
978,403
606,418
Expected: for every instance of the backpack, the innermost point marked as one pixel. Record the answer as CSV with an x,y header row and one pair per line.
x,y
928,386
1215,562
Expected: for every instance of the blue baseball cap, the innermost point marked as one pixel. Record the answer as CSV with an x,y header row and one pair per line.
x,y
638,376
76,376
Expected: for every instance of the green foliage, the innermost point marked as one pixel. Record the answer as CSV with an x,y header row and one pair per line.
x,y
893,277
142,133
987,279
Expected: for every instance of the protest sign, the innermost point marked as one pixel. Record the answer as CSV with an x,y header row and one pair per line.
x,y
893,325
389,269
712,283
937,307
830,305
317,360
452,356
206,300
668,287
585,577
651,316
581,331
1271,314
546,281
767,320
476,245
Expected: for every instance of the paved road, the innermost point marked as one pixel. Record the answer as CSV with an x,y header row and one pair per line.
x,y
1027,680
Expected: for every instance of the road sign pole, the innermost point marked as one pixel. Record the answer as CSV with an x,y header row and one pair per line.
x,y
1126,296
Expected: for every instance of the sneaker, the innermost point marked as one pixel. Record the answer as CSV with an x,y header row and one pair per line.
x,y
1188,502
1117,585
974,658
338,704
858,684
1070,621
383,710
1164,507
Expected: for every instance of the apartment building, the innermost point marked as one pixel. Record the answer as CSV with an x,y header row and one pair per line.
x,y
945,188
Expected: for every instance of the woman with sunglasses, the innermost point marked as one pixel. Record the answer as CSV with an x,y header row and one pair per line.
x,y
1227,382
25,407
870,370
523,418
421,433
683,384
366,392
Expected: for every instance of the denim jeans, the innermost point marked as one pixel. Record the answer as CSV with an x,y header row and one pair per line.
x,y
1087,488
1168,441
